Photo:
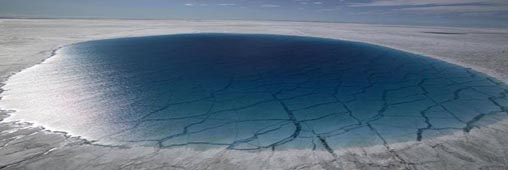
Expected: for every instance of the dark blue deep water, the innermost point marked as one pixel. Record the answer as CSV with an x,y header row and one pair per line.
x,y
251,92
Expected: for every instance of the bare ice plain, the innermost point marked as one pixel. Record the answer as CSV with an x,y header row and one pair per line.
x,y
476,143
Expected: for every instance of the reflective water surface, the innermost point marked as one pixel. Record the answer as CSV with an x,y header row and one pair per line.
x,y
249,92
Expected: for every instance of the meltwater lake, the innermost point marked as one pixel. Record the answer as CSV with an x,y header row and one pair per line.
x,y
250,92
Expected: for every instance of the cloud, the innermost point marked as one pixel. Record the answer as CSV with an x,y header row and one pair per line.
x,y
188,4
456,9
270,6
227,4
380,3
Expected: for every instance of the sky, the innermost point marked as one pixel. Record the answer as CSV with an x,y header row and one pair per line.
x,y
469,13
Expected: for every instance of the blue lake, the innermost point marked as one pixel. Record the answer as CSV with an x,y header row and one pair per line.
x,y
250,92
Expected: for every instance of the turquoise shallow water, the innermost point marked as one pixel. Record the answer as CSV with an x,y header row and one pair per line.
x,y
250,92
